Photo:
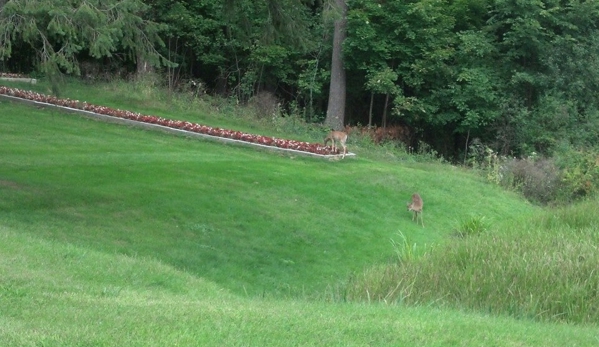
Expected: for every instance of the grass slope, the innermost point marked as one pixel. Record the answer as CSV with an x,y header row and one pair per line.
x,y
56,294
253,221
112,235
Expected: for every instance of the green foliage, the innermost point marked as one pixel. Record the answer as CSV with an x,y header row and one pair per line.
x,y
541,45
382,81
580,172
397,46
248,46
426,152
516,59
570,175
60,30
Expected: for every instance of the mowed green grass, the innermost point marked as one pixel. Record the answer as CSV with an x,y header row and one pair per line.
x,y
113,235
57,294
253,221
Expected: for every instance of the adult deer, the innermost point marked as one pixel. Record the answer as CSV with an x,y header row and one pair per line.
x,y
416,206
337,137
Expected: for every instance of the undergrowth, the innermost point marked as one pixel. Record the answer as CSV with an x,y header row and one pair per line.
x,y
544,269
571,174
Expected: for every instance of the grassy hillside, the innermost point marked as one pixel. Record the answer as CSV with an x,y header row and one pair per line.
x,y
58,294
112,235
252,221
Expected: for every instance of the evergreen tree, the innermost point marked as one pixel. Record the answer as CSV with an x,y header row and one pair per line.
x,y
58,30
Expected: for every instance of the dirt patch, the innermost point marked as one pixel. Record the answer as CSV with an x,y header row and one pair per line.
x,y
9,184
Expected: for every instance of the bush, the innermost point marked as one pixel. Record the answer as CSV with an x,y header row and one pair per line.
x,y
571,174
538,180
265,105
580,172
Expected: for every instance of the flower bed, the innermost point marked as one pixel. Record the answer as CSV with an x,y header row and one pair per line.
x,y
16,77
307,147
11,75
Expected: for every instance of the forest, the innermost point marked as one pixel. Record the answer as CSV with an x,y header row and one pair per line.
x,y
520,77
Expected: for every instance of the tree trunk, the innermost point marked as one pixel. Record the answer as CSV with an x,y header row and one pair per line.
x,y
370,111
143,66
385,110
336,107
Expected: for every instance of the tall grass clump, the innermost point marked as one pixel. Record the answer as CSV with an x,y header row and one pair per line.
x,y
545,269
472,225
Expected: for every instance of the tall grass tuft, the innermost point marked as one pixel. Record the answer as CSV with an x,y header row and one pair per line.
x,y
545,269
405,249
472,225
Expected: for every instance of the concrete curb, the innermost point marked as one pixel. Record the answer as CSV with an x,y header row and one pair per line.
x,y
150,126
19,79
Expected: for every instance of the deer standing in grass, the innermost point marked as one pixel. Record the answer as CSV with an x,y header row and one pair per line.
x,y
337,137
416,207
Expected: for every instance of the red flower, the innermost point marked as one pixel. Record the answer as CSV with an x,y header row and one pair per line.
x,y
175,124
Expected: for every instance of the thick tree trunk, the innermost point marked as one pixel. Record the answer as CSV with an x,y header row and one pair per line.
x,y
336,107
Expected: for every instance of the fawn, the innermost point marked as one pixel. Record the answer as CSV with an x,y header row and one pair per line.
x,y
416,207
337,137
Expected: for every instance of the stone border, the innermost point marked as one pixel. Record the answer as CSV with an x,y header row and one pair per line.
x,y
19,79
150,126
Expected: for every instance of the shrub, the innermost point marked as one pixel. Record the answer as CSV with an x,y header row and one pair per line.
x,y
569,175
538,180
265,104
580,172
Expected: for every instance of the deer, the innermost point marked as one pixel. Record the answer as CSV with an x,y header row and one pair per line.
x,y
416,206
337,137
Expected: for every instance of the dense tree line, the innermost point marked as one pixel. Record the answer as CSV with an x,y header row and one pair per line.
x,y
521,76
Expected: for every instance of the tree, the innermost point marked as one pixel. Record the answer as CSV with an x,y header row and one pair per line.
x,y
382,81
336,108
59,30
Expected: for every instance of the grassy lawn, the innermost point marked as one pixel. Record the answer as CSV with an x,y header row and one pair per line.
x,y
253,221
57,294
112,235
